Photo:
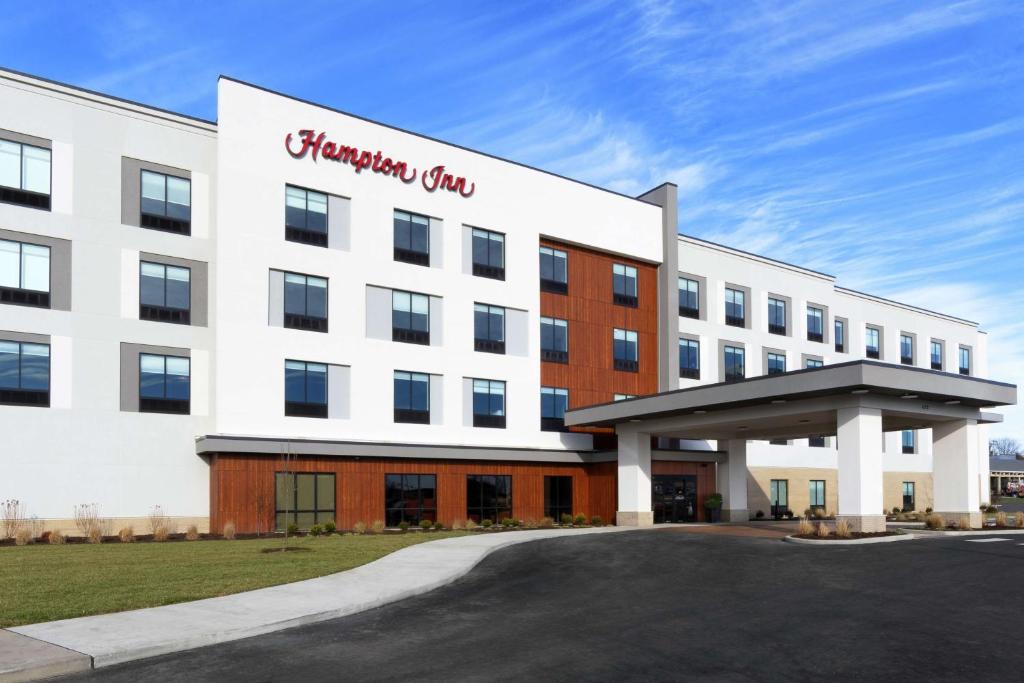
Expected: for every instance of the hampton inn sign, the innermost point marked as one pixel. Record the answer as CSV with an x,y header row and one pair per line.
x,y
315,145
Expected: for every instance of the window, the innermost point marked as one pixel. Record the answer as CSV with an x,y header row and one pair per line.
x,y
624,285
689,358
936,355
24,374
814,363
776,363
734,309
776,316
734,365
24,175
815,324
623,397
689,298
816,442
489,328
410,317
779,442
163,384
557,497
412,397
410,498
488,403
840,329
488,496
488,254
303,499
412,238
624,350
305,216
906,349
817,494
553,403
965,360
166,203
871,342
24,274
164,293
908,496
305,389
554,340
779,496
305,302
554,272
907,437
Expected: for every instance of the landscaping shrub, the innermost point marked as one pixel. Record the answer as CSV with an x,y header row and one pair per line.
x,y
359,528
896,511
843,529
126,535
426,524
158,519
12,512
87,518
759,514
546,523
161,534
579,520
1018,520
934,521
819,513
403,525
566,519
292,529
806,528
95,534
470,525
506,522
458,525
330,527
596,521
23,536
990,508
808,513
56,537
487,524
192,533
229,531
378,526
438,526
928,511
316,530
1001,519
822,530
964,524
788,514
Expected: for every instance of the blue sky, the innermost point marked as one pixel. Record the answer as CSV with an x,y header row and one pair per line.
x,y
880,142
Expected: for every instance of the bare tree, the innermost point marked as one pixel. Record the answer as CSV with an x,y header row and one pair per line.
x,y
1004,447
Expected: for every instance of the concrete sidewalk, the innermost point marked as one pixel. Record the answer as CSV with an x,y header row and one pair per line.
x,y
124,636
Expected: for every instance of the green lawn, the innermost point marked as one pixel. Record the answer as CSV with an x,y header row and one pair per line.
x,y
47,582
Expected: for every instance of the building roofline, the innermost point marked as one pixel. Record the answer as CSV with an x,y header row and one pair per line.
x,y
430,138
953,318
759,257
106,98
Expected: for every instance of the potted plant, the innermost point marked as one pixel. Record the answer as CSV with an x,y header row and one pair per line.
x,y
713,506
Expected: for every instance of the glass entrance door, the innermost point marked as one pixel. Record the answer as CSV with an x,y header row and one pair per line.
x,y
674,497
780,497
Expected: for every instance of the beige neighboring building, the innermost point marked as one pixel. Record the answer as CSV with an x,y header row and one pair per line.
x,y
901,489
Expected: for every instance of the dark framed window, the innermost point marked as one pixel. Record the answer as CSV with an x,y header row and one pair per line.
x,y
624,285
776,316
410,317
489,403
557,497
412,238
410,498
776,363
164,384
624,350
689,358
871,347
909,502
24,175
305,302
488,328
554,340
305,389
554,271
815,324
908,441
735,308
936,355
817,494
816,442
840,334
412,397
906,349
24,374
553,404
166,203
735,366
488,496
24,274
689,298
965,360
303,499
305,216
488,254
779,496
165,293
814,363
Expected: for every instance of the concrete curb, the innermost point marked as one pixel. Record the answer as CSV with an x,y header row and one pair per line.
x,y
27,659
852,541
978,532
108,639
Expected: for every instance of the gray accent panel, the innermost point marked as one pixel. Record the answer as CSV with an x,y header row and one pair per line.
x,y
467,401
881,343
436,399
748,305
804,357
28,337
130,370
765,350
789,313
846,333
199,280
436,238
467,250
702,294
60,265
378,313
436,321
517,332
131,186
25,139
339,223
666,196
722,343
826,323
339,391
275,299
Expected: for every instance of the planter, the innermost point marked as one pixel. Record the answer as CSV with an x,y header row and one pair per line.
x,y
713,514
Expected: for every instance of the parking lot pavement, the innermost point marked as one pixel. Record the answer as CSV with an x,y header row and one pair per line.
x,y
659,606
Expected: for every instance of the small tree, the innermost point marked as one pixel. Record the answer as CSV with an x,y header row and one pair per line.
x,y
12,513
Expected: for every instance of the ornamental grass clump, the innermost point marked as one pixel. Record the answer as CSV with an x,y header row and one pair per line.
x,y
1018,520
56,538
566,519
822,531
161,534
378,526
126,535
23,536
546,523
1001,519
359,528
229,531
964,524
192,533
471,525
806,528
458,525
843,529
934,521
95,535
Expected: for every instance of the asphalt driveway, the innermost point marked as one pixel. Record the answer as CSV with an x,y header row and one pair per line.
x,y
663,605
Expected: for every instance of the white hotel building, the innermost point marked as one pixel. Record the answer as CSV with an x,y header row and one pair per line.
x,y
296,314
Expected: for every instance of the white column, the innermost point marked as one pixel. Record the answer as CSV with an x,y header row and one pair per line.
x,y
984,470
732,482
860,468
955,470
634,479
